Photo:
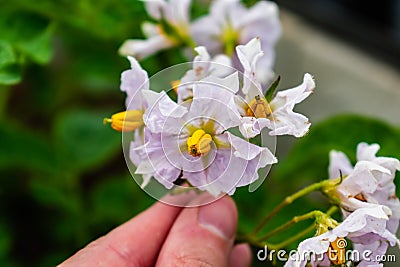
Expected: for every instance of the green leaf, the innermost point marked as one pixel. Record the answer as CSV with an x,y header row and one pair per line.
x,y
53,192
7,54
271,90
116,200
39,48
84,141
29,34
20,147
10,74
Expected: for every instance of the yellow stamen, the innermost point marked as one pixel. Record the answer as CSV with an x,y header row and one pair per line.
x,y
175,85
126,121
229,38
360,197
199,143
259,108
337,251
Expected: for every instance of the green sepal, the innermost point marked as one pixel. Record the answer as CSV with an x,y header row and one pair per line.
x,y
271,90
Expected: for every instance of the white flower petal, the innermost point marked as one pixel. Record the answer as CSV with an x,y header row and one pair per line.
x,y
363,223
222,66
290,97
173,11
215,102
229,83
248,56
144,48
287,122
151,97
248,151
133,82
205,35
155,8
338,161
367,152
362,179
162,114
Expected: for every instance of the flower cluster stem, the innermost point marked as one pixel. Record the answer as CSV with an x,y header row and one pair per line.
x,y
294,220
288,200
294,238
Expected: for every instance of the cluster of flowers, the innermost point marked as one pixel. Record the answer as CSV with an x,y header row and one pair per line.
x,y
228,23
367,197
205,136
191,139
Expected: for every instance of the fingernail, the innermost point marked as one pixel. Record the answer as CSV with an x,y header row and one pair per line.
x,y
219,217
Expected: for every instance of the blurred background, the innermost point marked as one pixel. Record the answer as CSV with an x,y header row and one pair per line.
x,y
63,177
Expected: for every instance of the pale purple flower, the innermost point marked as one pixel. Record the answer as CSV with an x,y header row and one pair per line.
x,y
133,82
175,13
278,115
361,226
230,23
203,66
370,182
227,163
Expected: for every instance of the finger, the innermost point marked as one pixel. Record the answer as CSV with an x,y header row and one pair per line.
x,y
240,256
201,236
135,243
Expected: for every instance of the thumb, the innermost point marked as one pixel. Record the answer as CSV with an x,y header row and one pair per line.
x,y
201,236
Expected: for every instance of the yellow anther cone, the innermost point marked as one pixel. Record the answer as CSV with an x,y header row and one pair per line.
x,y
259,108
199,143
126,121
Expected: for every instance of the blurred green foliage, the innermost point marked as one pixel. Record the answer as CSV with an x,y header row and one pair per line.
x,y
63,178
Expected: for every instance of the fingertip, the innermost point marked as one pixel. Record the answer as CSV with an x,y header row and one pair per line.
x,y
241,256
219,217
201,235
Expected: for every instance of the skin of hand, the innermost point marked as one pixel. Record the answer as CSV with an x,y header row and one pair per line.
x,y
165,235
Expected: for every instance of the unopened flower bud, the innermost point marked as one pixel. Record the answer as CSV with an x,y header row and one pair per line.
x,y
126,121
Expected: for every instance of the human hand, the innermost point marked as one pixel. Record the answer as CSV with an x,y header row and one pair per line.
x,y
165,235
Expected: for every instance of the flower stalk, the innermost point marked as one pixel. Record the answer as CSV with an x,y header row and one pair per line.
x,y
290,199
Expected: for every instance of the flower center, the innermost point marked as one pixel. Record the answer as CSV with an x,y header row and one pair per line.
x,y
229,38
337,251
199,143
259,108
175,84
360,197
126,121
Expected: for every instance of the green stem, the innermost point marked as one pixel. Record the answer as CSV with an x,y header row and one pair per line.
x,y
294,238
332,210
190,42
294,220
288,200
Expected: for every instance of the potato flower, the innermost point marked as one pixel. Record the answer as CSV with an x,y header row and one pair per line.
x,y
361,226
277,115
230,23
369,182
193,142
171,29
